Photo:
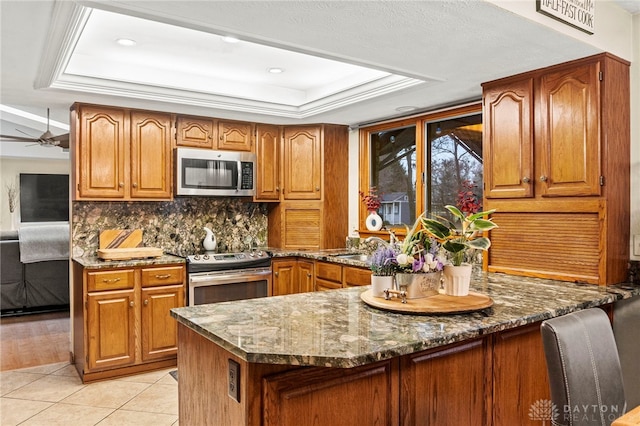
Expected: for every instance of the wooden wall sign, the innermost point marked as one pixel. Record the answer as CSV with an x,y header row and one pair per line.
x,y
579,14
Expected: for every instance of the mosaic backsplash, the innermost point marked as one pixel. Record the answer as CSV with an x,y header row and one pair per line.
x,y
175,226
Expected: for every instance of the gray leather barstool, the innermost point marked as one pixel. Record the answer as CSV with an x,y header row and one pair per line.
x,y
585,378
626,318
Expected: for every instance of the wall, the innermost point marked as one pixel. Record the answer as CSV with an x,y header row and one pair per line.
x,y
10,169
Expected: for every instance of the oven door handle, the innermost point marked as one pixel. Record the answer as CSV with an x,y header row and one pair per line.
x,y
227,277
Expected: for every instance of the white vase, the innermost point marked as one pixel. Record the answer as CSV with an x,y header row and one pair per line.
x,y
457,279
374,222
419,285
379,284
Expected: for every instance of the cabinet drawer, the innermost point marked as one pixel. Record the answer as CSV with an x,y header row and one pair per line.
x,y
356,276
329,271
162,276
110,280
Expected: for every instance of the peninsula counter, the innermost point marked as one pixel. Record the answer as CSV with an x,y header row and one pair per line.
x,y
327,358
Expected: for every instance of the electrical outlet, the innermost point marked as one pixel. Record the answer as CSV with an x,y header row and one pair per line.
x,y
636,245
234,380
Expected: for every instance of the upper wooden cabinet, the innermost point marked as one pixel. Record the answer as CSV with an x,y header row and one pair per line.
x,y
120,154
268,163
196,132
313,207
235,135
561,156
302,152
557,171
150,155
569,132
100,151
508,139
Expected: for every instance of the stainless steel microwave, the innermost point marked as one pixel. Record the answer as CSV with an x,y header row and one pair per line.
x,y
204,172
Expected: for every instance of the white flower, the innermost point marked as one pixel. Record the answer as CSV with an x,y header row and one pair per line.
x,y
430,261
404,260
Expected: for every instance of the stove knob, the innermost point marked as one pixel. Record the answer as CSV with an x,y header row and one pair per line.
x,y
252,254
259,253
196,257
205,257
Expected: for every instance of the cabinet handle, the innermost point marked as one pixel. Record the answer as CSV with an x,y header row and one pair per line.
x,y
317,188
276,273
277,189
131,303
110,281
308,275
163,277
526,180
135,185
146,302
121,184
543,178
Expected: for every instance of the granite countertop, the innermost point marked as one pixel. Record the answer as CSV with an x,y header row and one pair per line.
x,y
95,262
336,329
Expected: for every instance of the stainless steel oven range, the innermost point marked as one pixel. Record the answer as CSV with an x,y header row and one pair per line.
x,y
222,277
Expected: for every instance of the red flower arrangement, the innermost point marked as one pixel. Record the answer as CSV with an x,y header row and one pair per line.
x,y
467,200
372,201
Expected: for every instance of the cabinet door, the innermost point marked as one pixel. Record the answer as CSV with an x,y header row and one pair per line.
x,y
234,136
102,152
450,386
197,132
111,329
305,276
520,379
508,140
159,330
302,154
268,157
569,134
284,276
150,155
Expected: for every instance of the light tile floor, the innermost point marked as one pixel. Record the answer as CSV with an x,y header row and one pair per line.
x,y
54,395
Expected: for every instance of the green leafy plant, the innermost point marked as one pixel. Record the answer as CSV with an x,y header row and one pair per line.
x,y
458,240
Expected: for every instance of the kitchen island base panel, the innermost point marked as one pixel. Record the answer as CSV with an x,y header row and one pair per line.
x,y
279,395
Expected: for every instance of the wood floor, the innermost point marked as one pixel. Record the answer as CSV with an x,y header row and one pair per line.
x,y
32,340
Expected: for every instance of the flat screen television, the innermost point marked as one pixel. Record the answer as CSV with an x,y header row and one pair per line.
x,y
44,197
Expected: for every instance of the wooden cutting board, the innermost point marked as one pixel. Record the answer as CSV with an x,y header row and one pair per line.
x,y
438,304
120,238
129,253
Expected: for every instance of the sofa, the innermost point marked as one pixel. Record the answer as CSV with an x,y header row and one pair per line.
x,y
32,286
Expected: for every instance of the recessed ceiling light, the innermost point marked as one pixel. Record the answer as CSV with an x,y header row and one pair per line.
x,y
126,42
230,39
275,70
406,108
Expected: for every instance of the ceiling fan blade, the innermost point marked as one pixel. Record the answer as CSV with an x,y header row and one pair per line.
x,y
9,138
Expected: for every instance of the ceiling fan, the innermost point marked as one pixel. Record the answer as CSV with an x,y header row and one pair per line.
x,y
46,139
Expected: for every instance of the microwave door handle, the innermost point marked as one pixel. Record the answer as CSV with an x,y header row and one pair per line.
x,y
239,182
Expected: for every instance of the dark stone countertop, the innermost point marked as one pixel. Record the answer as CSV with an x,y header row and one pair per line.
x,y
336,329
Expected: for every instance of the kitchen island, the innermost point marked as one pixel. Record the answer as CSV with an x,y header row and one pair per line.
x,y
327,358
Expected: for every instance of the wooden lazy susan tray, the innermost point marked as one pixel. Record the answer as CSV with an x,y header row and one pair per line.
x,y
438,304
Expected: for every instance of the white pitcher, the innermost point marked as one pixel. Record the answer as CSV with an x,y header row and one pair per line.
x,y
209,242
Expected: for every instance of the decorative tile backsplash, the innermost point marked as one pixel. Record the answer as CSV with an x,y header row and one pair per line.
x,y
175,226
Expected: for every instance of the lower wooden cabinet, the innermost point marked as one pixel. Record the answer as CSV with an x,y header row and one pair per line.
x,y
291,275
328,276
121,319
352,276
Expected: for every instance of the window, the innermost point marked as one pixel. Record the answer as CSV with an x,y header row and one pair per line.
x,y
420,164
393,173
454,160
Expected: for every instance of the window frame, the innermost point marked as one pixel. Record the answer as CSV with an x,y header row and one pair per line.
x,y
420,122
